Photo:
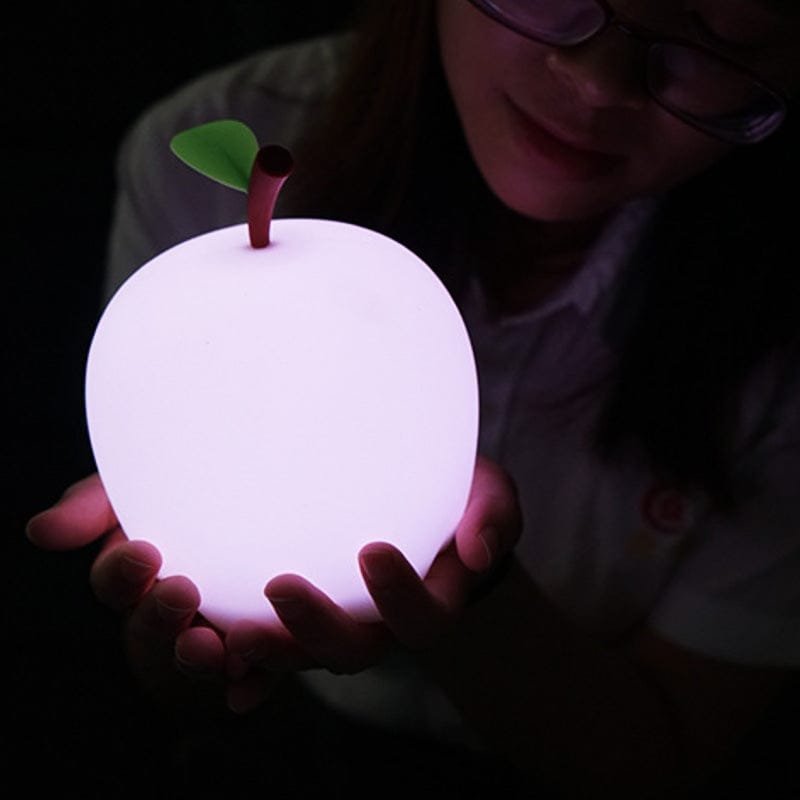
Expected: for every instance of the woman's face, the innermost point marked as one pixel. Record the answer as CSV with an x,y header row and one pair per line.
x,y
567,134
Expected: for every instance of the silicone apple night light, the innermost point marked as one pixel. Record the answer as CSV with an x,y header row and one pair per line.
x,y
271,406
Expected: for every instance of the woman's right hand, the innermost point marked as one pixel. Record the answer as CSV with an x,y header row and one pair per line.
x,y
160,614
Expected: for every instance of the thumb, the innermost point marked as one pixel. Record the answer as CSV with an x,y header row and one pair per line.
x,y
82,515
492,522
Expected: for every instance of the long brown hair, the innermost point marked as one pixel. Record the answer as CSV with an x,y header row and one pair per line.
x,y
358,158
714,289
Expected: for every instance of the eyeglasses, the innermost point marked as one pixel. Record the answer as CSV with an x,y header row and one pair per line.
x,y
700,87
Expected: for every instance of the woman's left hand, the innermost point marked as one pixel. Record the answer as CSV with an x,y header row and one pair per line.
x,y
316,633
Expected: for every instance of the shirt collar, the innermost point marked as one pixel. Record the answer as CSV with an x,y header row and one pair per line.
x,y
609,255
603,263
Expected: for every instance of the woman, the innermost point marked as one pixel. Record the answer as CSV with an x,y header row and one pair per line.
x,y
597,191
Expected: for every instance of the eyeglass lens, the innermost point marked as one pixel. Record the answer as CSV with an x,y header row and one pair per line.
x,y
687,80
552,21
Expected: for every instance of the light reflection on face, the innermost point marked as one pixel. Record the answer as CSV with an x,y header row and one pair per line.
x,y
567,134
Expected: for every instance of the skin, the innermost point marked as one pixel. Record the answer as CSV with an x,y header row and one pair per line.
x,y
576,141
563,137
163,626
641,717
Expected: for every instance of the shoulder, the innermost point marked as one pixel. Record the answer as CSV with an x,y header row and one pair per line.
x,y
261,90
160,201
288,76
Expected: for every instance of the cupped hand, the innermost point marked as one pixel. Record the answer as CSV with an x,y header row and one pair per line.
x,y
164,629
414,612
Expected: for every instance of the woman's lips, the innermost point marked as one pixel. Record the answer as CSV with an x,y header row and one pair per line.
x,y
570,160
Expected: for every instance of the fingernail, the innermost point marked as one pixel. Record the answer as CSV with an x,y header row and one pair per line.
x,y
191,667
240,661
134,570
252,655
490,540
170,613
380,567
32,522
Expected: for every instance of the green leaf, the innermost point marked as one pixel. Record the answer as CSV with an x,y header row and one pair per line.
x,y
223,150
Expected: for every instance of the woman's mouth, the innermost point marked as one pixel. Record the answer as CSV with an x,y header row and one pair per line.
x,y
577,162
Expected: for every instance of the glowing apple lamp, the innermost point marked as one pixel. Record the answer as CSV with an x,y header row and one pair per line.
x,y
256,410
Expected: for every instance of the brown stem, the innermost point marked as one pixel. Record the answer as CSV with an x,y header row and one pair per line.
x,y
271,168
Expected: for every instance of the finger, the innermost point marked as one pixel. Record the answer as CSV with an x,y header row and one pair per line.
x,y
264,648
82,515
199,651
414,615
251,691
326,632
124,571
162,651
450,581
492,522
258,658
166,610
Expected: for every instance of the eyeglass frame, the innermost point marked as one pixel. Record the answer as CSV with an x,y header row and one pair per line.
x,y
650,38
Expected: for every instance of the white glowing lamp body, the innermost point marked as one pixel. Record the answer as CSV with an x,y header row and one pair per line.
x,y
254,412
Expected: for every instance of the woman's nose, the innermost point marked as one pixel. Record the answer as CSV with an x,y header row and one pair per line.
x,y
607,71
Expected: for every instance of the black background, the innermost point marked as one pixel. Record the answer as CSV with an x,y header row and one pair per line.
x,y
75,75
